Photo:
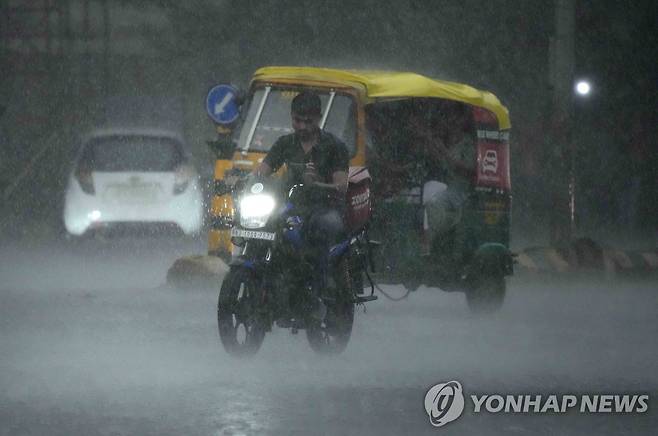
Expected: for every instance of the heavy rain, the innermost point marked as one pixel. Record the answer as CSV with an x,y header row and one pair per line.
x,y
125,181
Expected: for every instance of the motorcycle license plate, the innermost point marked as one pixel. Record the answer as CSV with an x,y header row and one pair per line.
x,y
252,234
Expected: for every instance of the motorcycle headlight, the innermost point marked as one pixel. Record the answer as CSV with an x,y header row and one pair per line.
x,y
255,210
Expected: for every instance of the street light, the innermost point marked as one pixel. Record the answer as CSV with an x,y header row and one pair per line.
x,y
583,88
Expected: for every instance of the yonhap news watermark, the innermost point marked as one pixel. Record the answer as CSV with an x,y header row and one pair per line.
x,y
445,402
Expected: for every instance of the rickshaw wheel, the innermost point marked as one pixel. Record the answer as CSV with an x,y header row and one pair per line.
x,y
486,294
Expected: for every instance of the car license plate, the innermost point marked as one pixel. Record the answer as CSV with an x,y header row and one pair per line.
x,y
252,234
133,194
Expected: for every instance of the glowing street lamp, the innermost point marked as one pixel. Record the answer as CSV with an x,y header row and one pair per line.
x,y
583,87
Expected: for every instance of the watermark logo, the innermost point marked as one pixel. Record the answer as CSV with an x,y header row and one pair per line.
x,y
444,403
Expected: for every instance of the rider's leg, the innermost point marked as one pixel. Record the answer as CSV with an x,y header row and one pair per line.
x,y
323,230
324,227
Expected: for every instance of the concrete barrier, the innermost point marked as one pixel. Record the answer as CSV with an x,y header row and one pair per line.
x,y
585,255
197,272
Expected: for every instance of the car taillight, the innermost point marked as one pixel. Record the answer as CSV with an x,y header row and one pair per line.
x,y
86,180
182,177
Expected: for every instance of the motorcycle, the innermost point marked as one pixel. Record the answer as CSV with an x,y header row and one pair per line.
x,y
273,282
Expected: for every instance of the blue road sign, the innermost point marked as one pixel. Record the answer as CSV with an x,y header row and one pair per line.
x,y
221,104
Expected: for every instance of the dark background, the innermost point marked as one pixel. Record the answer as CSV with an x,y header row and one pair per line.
x,y
62,60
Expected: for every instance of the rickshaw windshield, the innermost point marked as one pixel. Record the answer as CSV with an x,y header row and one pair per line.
x,y
268,117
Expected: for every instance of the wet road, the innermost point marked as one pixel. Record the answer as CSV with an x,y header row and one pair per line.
x,y
92,342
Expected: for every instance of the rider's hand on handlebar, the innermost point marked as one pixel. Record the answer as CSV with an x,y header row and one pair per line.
x,y
231,180
310,174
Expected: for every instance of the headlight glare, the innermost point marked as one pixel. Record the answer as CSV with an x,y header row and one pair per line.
x,y
255,210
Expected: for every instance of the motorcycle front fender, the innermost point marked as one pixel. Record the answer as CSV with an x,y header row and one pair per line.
x,y
242,262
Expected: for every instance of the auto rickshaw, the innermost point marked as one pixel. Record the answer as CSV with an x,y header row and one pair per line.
x,y
473,257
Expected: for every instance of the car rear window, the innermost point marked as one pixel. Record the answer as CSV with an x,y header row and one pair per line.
x,y
131,153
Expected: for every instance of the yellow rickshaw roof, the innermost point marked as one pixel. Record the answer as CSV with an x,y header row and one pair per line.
x,y
391,84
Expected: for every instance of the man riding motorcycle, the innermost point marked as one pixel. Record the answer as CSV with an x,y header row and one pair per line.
x,y
317,159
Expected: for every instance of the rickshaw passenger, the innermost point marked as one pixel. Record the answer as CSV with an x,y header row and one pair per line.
x,y
449,145
429,145
392,157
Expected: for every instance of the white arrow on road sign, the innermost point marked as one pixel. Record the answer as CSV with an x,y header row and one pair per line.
x,y
219,107
221,104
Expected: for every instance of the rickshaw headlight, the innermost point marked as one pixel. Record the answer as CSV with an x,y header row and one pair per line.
x,y
255,210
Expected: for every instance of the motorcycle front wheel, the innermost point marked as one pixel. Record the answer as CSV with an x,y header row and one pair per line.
x,y
241,329
331,335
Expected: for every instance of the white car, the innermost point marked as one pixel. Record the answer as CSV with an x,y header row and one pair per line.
x,y
133,177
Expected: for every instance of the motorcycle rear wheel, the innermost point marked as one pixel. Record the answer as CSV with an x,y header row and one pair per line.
x,y
241,329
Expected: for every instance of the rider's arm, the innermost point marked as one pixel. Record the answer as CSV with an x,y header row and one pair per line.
x,y
339,179
274,159
262,170
340,166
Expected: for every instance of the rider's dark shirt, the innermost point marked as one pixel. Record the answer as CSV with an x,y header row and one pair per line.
x,y
329,155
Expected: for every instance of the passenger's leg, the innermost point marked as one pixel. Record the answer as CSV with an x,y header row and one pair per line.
x,y
431,190
443,210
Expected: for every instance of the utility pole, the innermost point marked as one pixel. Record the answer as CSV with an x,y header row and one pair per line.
x,y
106,49
562,220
